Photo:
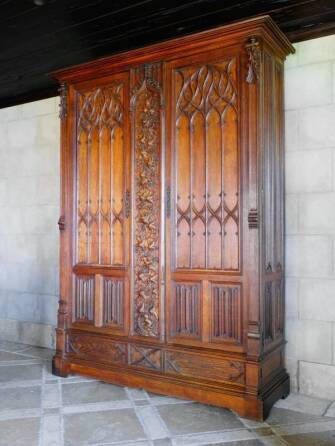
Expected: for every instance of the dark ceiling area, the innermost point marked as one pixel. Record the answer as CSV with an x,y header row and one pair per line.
x,y
39,36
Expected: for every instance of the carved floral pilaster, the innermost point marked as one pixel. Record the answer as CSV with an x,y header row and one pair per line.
x,y
146,108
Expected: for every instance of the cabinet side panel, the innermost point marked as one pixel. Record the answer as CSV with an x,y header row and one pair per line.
x,y
273,204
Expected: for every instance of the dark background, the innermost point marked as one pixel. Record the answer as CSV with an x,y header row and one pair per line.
x,y
36,40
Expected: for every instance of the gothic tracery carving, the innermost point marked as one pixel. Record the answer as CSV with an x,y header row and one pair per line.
x,y
100,215
206,103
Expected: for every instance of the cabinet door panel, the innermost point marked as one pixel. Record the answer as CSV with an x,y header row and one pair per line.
x,y
100,173
101,201
205,158
203,173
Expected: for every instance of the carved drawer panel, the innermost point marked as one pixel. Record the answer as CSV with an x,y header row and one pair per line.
x,y
103,350
147,357
212,369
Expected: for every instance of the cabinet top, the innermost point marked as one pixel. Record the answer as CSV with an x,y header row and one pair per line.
x,y
233,34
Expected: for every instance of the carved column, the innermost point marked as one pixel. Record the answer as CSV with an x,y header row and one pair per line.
x,y
59,367
254,85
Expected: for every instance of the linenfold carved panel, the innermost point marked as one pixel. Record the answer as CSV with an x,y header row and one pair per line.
x,y
268,313
273,181
280,310
226,313
113,301
84,299
273,311
206,156
185,310
206,368
101,175
146,109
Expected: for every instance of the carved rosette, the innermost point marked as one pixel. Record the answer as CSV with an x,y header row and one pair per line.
x,y
254,63
146,106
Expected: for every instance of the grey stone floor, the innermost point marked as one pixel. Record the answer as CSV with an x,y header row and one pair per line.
x,y
39,409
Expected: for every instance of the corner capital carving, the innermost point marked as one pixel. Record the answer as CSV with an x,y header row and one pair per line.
x,y
253,49
63,92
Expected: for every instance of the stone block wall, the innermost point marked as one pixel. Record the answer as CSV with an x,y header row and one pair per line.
x,y
29,210
310,216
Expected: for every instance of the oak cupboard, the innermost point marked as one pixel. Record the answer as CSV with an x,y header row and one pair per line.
x,y
172,218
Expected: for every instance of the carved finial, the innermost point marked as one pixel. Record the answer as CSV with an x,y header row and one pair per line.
x,y
254,53
63,89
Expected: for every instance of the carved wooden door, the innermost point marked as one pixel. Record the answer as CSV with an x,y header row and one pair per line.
x,y
204,285
101,210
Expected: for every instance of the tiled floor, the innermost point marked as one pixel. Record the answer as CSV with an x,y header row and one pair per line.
x,y
38,409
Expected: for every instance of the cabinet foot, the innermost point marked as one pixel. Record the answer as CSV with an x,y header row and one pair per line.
x,y
60,367
280,392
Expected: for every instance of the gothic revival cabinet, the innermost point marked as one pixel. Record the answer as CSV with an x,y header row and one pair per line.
x,y
172,218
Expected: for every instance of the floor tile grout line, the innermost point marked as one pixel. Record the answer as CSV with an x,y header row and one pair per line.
x,y
61,415
264,440
132,402
21,353
265,425
17,414
41,430
326,410
224,431
18,353
93,407
298,423
19,383
174,438
170,435
277,429
24,363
